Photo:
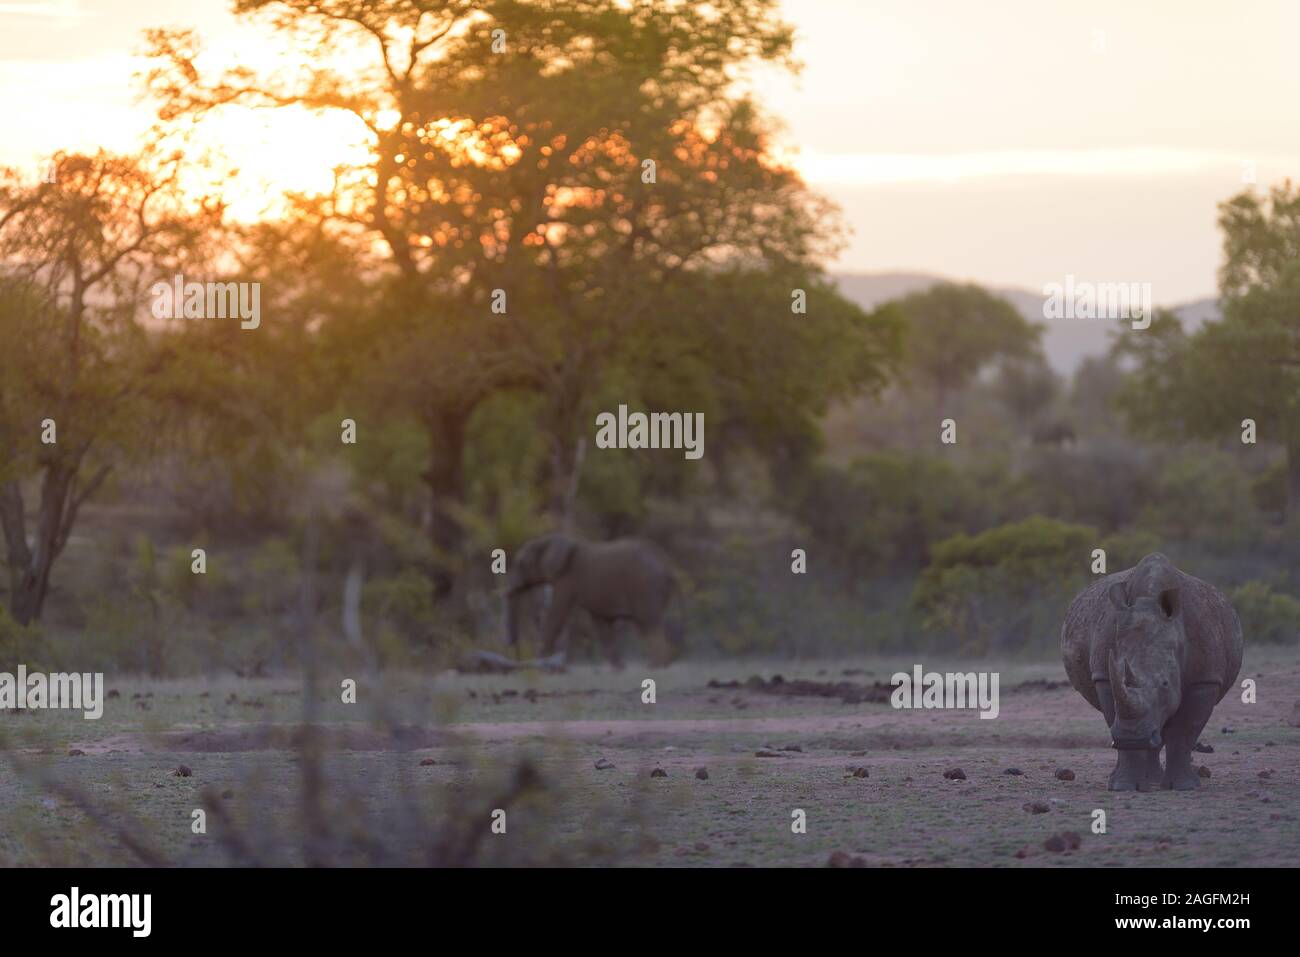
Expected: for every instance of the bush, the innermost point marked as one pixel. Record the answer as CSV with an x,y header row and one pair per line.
x,y
1006,587
884,512
404,601
1267,616
20,644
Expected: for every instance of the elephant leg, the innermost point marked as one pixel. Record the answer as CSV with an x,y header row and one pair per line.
x,y
607,637
557,616
1182,732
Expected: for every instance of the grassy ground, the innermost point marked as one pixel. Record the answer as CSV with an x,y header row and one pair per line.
x,y
237,737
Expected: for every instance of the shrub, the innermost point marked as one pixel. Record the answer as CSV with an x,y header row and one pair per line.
x,y
1007,586
1267,616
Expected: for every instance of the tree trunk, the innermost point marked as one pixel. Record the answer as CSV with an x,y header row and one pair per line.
x,y
568,470
1292,513
30,566
446,480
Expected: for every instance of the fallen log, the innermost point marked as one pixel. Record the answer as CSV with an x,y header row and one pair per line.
x,y
479,662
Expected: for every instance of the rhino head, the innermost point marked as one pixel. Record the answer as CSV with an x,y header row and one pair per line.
x,y
1145,666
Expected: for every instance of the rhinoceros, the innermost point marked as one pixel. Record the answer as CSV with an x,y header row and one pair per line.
x,y
1154,650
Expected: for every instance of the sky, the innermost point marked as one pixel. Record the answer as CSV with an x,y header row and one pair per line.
x,y
1010,143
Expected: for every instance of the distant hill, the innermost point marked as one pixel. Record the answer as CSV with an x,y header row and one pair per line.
x,y
1067,342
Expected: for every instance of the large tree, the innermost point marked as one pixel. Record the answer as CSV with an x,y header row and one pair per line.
x,y
579,162
954,331
1205,383
77,365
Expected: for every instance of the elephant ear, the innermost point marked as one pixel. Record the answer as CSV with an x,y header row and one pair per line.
x,y
556,556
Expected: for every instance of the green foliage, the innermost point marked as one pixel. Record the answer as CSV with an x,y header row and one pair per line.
x,y
1005,587
1125,549
885,511
400,606
1204,383
275,572
1202,495
21,644
1268,489
953,331
1104,483
1266,616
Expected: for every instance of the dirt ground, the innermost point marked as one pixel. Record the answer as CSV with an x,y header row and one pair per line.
x,y
77,792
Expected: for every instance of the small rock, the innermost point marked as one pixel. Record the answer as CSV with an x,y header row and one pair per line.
x,y
793,747
75,752
427,762
702,774
1015,771
1065,841
845,859
114,693
767,754
1225,730
658,773
1022,853
1037,807
603,765
182,771
860,772
1203,771
1266,774
1064,774
857,754
955,774
227,794
1201,748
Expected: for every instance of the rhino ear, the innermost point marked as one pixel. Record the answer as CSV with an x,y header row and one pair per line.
x,y
1171,601
1118,595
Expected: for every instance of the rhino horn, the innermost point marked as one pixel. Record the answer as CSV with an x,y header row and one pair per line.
x,y
1121,679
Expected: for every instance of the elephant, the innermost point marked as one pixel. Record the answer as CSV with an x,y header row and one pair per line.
x,y
627,579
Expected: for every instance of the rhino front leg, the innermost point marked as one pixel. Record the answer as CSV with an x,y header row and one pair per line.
x,y
1152,772
1181,734
1135,770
